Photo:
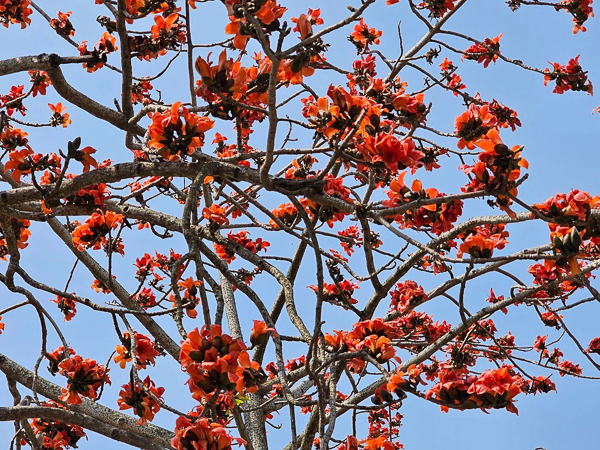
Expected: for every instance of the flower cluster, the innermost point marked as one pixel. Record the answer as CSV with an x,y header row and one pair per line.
x,y
202,434
57,435
144,405
66,306
452,80
105,45
177,132
39,81
492,389
84,378
439,217
14,100
145,351
436,8
93,233
363,36
338,293
480,242
497,169
581,11
62,25
189,287
570,77
266,12
394,153
215,362
485,52
241,238
168,33
406,296
20,228
15,11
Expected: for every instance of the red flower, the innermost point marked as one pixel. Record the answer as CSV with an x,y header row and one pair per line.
x,y
363,36
215,214
145,351
63,25
66,306
57,435
581,11
40,81
143,404
203,435
569,77
486,52
259,334
473,125
407,296
84,377
58,118
15,11
93,233
594,346
176,133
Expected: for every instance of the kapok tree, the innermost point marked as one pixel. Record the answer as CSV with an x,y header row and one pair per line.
x,y
238,127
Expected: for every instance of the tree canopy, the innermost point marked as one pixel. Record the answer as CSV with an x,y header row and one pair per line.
x,y
283,224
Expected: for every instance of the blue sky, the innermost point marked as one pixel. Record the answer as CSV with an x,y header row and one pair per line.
x,y
561,139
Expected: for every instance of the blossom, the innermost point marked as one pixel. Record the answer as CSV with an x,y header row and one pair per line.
x,y
59,116
40,81
145,351
15,11
138,397
260,333
84,378
407,296
177,132
67,306
204,435
363,36
486,52
56,435
568,77
594,346
93,233
62,25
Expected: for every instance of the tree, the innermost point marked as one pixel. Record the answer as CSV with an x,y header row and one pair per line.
x,y
264,162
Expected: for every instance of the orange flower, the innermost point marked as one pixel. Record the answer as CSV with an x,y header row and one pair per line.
x,y
84,378
40,81
15,11
56,435
19,163
63,25
58,118
215,214
568,77
93,232
145,351
473,125
226,78
143,404
66,306
259,334
163,24
486,52
190,286
204,435
176,133
363,36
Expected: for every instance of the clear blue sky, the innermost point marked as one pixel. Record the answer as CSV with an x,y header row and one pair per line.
x,y
561,140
